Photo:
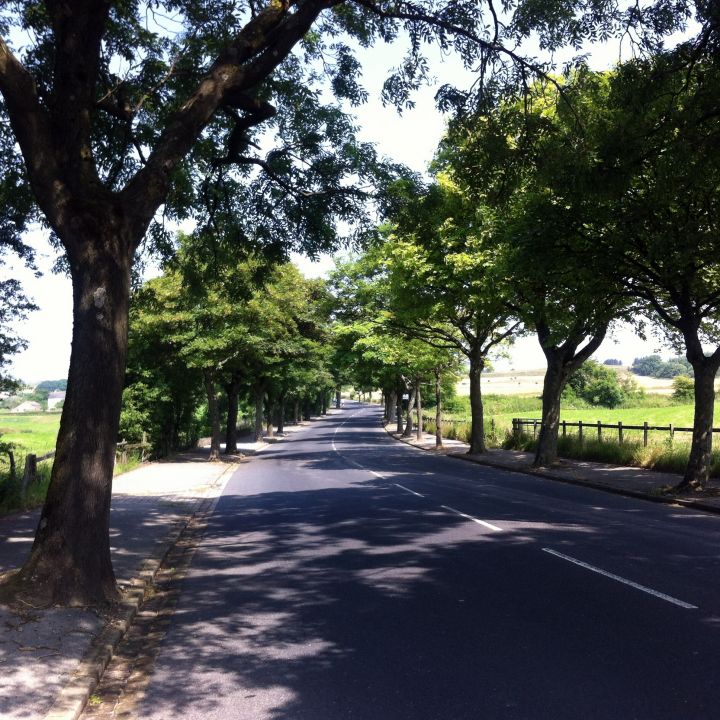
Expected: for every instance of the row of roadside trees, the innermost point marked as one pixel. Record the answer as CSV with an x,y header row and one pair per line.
x,y
209,337
590,199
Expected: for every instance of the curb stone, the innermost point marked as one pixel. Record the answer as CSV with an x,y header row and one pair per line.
x,y
549,475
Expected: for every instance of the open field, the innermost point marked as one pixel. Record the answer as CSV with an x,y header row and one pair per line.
x,y
530,382
497,412
30,432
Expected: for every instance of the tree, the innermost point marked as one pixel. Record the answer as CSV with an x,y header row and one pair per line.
x,y
116,116
532,164
443,286
661,148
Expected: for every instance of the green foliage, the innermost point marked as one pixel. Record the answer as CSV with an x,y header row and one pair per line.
x,y
52,385
596,384
683,388
655,366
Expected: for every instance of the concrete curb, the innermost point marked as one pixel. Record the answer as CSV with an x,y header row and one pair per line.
x,y
549,475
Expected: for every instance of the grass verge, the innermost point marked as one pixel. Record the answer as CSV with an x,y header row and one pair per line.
x,y
665,456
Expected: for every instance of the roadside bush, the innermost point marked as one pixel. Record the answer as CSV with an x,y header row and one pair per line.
x,y
596,384
683,388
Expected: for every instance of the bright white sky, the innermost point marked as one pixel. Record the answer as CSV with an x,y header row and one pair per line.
x,y
411,139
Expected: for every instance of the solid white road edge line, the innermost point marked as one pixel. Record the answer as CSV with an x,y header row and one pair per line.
x,y
412,492
474,519
612,576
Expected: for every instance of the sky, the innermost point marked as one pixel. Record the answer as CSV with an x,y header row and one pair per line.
x,y
410,138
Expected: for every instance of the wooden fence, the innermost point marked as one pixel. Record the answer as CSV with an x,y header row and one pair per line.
x,y
31,461
584,429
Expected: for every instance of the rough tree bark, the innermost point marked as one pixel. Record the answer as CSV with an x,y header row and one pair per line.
x,y
409,422
399,409
562,361
438,409
270,417
477,426
296,411
70,559
418,410
231,390
213,412
281,414
259,392
338,398
705,368
392,406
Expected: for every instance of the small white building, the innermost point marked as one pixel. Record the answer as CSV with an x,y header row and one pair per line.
x,y
55,398
27,407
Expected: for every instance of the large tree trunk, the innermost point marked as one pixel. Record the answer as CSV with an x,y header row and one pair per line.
x,y
392,406
70,559
399,408
409,423
259,398
555,380
296,411
438,410
697,471
338,398
281,415
232,414
269,429
214,413
562,361
477,423
418,408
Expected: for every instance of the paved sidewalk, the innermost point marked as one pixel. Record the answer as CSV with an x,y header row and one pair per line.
x,y
632,481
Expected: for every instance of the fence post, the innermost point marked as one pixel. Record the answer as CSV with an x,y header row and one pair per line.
x,y
534,429
11,457
599,425
645,433
564,427
29,475
580,431
515,428
672,433
620,432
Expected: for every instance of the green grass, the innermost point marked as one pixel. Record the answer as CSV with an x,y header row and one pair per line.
x,y
31,432
502,409
661,455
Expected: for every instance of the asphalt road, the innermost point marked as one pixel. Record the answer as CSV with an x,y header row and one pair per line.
x,y
339,579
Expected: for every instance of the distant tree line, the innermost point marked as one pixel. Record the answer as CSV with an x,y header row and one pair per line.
x,y
655,366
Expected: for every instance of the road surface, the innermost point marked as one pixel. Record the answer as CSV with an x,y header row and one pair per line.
x,y
346,575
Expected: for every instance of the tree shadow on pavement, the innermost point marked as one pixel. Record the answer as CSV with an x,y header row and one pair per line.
x,y
359,601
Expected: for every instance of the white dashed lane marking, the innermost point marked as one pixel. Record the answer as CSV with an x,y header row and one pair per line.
x,y
624,581
484,523
412,492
